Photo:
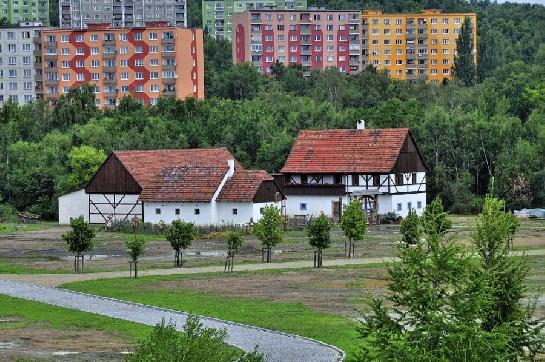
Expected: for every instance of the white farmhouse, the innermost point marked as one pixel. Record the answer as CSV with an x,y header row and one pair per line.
x,y
327,168
203,186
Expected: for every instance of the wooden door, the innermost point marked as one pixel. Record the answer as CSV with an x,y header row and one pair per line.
x,y
336,207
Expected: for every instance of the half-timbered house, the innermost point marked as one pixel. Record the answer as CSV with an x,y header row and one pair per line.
x,y
327,168
203,186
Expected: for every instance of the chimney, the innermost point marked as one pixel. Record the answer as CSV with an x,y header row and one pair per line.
x,y
231,168
360,124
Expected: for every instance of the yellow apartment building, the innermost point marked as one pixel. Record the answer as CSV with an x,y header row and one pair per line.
x,y
413,46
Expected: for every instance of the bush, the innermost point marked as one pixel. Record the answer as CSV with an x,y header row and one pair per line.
x,y
196,343
7,213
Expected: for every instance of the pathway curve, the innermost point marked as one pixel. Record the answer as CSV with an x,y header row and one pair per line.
x,y
54,280
276,346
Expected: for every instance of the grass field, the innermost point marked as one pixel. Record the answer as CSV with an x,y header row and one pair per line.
x,y
6,228
292,317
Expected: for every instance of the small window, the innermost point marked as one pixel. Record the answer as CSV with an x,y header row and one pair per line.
x,y
304,179
399,207
409,206
399,179
338,179
376,180
197,211
261,210
177,211
419,204
414,178
157,211
355,180
235,211
303,206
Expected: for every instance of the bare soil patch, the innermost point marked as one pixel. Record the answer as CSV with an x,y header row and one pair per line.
x,y
39,342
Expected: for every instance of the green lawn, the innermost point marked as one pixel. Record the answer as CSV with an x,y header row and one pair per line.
x,y
29,312
283,316
7,228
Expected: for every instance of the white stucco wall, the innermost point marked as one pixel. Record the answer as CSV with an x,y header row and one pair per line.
x,y
223,213
405,199
73,205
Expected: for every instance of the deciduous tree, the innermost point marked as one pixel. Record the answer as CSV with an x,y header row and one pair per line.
x,y
354,225
319,237
464,63
269,229
136,246
234,244
79,240
180,235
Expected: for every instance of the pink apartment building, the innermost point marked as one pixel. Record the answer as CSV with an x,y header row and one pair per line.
x,y
316,39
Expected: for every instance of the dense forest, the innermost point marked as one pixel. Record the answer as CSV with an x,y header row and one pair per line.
x,y
483,138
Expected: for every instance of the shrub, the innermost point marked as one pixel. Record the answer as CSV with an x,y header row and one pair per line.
x,y
195,343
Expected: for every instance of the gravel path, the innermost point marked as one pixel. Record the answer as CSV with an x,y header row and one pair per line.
x,y
276,346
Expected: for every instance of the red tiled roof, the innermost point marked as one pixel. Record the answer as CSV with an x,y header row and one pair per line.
x,y
243,185
346,150
187,183
144,166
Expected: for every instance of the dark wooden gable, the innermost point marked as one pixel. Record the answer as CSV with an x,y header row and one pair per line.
x,y
113,178
409,159
267,192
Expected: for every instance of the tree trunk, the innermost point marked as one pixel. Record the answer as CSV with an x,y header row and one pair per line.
x,y
135,269
82,257
181,258
320,258
232,262
345,250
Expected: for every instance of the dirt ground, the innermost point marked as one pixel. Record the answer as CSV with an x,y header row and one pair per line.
x,y
39,342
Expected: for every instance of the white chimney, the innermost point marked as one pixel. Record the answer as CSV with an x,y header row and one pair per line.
x,y
231,166
360,124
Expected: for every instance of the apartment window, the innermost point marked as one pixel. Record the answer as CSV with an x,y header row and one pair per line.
x,y
124,76
139,62
445,31
140,88
66,77
445,20
153,49
445,61
399,21
446,51
197,211
434,71
80,64
95,76
123,50
152,36
64,38
446,71
65,51
375,32
138,49
434,31
79,38
94,50
139,75
154,75
94,37
123,37
303,206
154,88
80,77
434,20
124,89
123,63
235,211
157,211
79,51
137,36
445,41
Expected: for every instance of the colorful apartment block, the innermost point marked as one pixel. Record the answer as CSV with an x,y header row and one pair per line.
x,y
78,14
151,62
316,39
217,15
413,46
17,11
20,74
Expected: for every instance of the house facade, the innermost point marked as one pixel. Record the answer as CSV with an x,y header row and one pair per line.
x,y
326,169
202,186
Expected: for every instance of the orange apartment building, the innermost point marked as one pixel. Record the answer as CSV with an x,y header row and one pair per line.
x,y
150,62
316,39
413,46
